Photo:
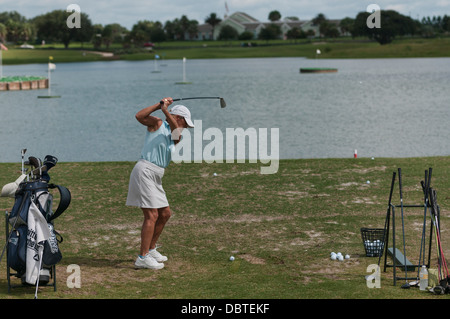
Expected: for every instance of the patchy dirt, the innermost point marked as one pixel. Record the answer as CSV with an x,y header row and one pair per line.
x,y
252,259
365,170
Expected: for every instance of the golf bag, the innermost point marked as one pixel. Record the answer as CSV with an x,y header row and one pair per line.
x,y
35,195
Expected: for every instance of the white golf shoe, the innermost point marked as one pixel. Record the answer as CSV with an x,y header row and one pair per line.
x,y
148,262
157,256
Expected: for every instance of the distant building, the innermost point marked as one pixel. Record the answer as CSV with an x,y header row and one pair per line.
x,y
243,22
204,32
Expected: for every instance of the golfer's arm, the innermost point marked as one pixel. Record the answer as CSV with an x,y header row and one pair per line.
x,y
143,116
174,128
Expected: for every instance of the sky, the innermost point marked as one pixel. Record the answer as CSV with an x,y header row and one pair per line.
x,y
128,12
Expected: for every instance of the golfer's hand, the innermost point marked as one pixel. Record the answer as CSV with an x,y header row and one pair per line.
x,y
165,103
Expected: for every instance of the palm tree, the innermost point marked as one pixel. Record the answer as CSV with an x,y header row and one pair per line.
x,y
3,32
319,19
184,24
213,20
274,15
27,31
192,29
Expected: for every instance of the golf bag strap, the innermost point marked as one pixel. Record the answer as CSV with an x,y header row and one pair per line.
x,y
64,200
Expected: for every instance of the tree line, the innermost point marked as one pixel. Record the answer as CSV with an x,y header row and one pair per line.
x,y
51,27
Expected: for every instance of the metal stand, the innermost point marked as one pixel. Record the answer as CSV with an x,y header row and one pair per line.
x,y
390,215
10,272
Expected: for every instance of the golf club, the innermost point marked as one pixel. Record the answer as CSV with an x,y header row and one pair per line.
x,y
22,152
425,187
40,254
30,174
386,222
222,101
36,167
442,264
434,221
406,285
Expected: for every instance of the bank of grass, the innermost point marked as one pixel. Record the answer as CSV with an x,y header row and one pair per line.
x,y
281,228
330,49
26,56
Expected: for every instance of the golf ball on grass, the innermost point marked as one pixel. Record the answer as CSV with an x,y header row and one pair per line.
x,y
232,258
339,256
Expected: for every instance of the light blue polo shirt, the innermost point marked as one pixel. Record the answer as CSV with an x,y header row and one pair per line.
x,y
158,146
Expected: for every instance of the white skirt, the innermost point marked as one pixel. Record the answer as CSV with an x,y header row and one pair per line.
x,y
145,189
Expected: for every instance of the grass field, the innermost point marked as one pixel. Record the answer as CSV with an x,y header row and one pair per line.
x,y
281,228
331,49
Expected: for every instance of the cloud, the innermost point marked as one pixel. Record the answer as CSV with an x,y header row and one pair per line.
x,y
397,7
443,4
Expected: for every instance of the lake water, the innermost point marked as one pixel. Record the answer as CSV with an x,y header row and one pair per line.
x,y
381,107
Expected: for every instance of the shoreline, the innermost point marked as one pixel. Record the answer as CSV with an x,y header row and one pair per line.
x,y
118,59
349,49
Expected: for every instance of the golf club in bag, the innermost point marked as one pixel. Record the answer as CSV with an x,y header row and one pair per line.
x,y
32,244
443,274
425,188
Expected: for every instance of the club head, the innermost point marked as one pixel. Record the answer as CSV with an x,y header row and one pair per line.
x,y
406,286
438,290
222,103
23,152
34,161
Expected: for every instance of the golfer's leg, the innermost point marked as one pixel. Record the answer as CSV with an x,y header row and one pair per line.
x,y
148,229
163,216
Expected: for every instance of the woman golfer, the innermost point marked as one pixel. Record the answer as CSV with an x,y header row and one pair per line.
x,y
145,189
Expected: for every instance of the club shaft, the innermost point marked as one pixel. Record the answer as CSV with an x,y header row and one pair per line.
x,y
197,98
222,101
425,187
386,222
403,221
